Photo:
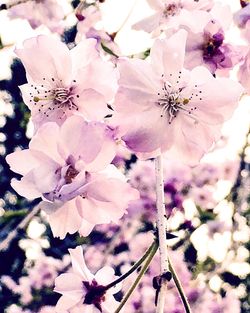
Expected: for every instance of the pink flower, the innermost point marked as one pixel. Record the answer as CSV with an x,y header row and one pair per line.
x,y
62,82
47,12
68,167
162,107
84,292
208,46
172,14
244,73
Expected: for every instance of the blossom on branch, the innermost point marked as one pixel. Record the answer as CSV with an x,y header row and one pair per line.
x,y
84,292
161,107
62,82
69,167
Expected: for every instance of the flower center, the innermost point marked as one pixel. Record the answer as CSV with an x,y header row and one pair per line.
x,y
172,102
244,3
171,9
212,45
70,174
95,294
52,96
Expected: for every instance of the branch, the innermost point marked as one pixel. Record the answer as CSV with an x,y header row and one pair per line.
x,y
162,229
6,242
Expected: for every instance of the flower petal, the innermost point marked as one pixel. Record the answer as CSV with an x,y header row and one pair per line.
x,y
45,57
79,265
65,220
167,56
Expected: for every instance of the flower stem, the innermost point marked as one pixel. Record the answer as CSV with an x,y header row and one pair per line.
x,y
180,288
162,229
153,248
133,268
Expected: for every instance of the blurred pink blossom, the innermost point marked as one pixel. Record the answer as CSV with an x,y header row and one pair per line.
x,y
46,12
172,14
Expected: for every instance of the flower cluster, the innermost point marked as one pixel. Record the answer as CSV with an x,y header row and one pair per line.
x,y
99,118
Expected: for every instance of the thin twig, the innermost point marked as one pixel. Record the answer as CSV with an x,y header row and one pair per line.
x,y
154,248
133,268
180,289
6,242
162,229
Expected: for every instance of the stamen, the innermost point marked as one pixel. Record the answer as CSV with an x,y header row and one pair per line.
x,y
172,102
52,98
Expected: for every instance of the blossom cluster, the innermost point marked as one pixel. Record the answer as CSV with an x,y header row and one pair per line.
x,y
100,116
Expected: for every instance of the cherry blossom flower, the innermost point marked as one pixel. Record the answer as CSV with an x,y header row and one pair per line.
x,y
62,81
84,292
68,167
208,47
172,14
162,107
40,12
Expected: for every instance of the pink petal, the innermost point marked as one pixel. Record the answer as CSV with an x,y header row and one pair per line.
x,y
45,141
83,54
45,57
93,211
65,303
100,76
105,156
65,220
214,102
105,200
22,162
79,265
167,56
186,151
148,24
87,140
199,133
147,132
25,187
92,105
86,228
69,284
45,177
105,275
108,189
157,5
138,82
110,304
